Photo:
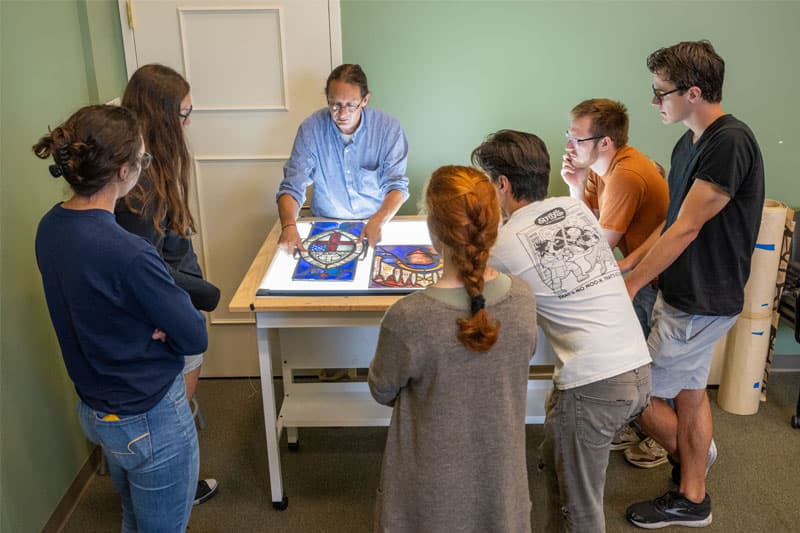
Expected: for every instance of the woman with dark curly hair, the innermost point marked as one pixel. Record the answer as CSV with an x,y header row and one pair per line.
x,y
122,323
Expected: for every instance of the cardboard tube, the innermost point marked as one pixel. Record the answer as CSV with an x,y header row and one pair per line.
x,y
760,289
740,383
748,340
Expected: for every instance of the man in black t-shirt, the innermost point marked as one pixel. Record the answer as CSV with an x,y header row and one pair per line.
x,y
702,257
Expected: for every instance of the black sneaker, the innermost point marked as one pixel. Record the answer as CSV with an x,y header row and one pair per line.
x,y
671,509
206,489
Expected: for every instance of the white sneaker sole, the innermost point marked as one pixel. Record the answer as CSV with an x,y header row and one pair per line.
x,y
686,523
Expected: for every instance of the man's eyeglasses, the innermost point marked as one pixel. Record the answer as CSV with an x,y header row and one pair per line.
x,y
575,141
184,113
349,107
145,160
659,95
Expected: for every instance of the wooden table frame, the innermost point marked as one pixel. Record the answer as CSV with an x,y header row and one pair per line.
x,y
320,404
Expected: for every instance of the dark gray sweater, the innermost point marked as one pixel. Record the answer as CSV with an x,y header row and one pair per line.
x,y
455,451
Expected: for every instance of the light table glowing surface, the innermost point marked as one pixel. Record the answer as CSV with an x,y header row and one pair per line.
x,y
278,278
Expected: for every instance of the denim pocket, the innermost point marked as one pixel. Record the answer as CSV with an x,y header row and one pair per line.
x,y
598,419
125,441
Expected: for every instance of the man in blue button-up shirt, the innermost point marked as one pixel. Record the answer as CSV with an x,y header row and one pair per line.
x,y
354,156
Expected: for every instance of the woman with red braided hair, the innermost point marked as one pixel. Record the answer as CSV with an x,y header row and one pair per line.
x,y
453,361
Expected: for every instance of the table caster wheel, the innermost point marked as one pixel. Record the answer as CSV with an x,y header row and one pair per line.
x,y
294,446
796,421
281,505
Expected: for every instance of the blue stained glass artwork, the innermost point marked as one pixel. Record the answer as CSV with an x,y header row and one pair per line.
x,y
333,250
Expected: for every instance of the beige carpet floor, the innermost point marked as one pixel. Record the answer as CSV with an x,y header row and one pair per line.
x,y
331,480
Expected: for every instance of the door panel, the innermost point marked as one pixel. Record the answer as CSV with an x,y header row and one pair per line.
x,y
242,66
257,69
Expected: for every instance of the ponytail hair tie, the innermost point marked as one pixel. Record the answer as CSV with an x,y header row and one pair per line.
x,y
56,171
478,303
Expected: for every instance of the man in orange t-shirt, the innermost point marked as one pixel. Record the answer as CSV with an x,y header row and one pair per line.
x,y
624,188
627,192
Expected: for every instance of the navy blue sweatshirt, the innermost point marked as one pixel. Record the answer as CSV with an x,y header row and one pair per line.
x,y
107,291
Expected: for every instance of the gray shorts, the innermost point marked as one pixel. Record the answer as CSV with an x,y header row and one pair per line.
x,y
192,362
681,346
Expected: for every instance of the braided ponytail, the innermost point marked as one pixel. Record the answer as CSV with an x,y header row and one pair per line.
x,y
464,215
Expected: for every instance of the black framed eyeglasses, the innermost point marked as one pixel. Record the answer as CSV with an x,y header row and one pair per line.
x,y
184,113
349,107
575,141
145,160
659,95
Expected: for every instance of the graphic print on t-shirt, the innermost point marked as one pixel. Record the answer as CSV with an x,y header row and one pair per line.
x,y
568,251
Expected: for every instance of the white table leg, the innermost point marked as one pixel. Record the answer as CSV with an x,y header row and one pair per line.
x,y
292,438
279,500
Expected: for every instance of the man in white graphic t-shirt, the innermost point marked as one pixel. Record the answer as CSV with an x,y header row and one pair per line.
x,y
602,377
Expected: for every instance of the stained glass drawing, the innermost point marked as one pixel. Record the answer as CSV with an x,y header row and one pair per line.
x,y
406,266
332,252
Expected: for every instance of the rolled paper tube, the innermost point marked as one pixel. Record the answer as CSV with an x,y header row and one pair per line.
x,y
760,289
743,369
747,344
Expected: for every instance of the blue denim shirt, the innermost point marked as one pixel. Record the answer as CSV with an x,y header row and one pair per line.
x,y
350,180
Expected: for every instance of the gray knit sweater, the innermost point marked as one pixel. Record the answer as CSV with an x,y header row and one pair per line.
x,y
455,450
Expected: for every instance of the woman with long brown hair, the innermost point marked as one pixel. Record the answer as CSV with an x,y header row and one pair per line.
x,y
158,207
453,361
121,321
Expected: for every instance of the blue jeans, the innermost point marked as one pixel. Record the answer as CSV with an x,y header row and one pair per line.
x,y
643,304
153,459
579,426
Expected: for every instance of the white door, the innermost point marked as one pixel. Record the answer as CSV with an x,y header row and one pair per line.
x,y
257,69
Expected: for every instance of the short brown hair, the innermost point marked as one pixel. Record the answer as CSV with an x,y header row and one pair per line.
x,y
691,64
609,118
519,156
349,73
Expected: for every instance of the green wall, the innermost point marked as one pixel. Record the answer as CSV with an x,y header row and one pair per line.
x,y
56,57
455,71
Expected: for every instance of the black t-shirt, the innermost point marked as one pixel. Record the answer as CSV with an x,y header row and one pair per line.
x,y
708,278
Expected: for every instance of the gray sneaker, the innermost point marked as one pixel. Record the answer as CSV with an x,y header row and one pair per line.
x,y
648,454
710,460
